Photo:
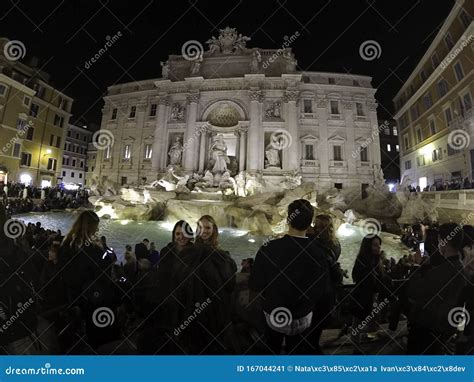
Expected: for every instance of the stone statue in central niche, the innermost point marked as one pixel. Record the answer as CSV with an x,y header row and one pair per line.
x,y
219,156
272,152
176,151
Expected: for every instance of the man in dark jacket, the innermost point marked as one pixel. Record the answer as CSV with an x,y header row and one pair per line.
x,y
142,250
290,274
435,295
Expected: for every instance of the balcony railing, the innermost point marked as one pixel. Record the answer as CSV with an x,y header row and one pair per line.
x,y
309,163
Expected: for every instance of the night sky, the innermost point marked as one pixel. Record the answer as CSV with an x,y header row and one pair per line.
x,y
64,35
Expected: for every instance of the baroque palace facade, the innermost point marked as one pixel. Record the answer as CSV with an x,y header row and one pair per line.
x,y
236,109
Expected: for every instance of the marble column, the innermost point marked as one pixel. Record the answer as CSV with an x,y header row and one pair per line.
x,y
350,138
254,149
375,146
159,140
243,149
191,137
323,149
137,149
202,149
291,98
237,146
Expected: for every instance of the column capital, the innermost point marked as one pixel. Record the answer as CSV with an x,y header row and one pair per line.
x,y
163,100
193,97
256,95
291,96
202,129
141,107
372,106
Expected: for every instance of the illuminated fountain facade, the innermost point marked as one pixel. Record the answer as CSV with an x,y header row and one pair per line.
x,y
235,110
237,133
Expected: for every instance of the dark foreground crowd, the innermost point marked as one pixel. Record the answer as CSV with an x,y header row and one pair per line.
x,y
67,295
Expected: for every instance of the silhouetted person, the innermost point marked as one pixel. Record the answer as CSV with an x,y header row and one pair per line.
x,y
433,294
290,275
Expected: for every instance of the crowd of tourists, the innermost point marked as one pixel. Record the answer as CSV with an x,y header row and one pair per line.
x,y
453,184
69,295
20,198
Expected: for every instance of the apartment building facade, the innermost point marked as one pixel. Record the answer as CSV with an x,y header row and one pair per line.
x,y
434,106
33,122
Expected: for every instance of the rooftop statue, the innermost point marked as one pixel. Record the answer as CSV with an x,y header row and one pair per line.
x,y
228,42
165,69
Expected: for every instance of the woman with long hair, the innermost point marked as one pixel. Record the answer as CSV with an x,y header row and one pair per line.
x,y
207,231
208,275
82,232
83,266
368,276
81,257
181,238
162,296
324,236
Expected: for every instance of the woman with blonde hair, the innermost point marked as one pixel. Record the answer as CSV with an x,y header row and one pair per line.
x,y
207,231
81,257
83,230
206,274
